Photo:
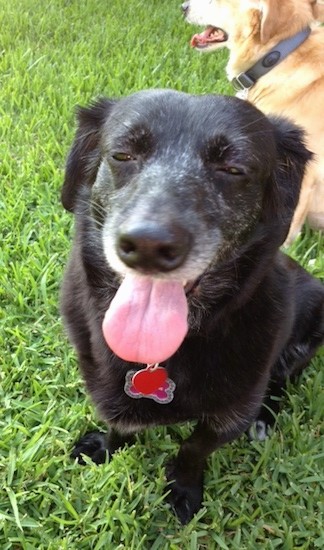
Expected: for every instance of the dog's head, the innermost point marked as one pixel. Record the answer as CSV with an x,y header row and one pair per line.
x,y
174,185
255,24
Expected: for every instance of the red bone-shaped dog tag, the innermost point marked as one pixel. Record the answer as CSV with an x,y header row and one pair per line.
x,y
149,380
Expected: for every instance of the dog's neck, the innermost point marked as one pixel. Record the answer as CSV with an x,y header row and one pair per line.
x,y
245,80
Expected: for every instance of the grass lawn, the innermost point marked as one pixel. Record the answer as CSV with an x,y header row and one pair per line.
x,y
54,55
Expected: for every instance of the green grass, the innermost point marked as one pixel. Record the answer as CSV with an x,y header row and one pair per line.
x,y
54,55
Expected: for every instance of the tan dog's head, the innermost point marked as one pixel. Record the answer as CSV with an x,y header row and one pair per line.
x,y
249,28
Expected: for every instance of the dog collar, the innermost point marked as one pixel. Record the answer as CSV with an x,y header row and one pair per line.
x,y
245,81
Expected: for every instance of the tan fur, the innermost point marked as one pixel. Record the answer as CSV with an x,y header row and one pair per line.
x,y
294,88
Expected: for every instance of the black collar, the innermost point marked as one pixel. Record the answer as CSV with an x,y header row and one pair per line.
x,y
245,81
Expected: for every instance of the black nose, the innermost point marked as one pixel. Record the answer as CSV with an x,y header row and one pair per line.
x,y
149,247
185,7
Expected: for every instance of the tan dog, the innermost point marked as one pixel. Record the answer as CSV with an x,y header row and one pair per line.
x,y
293,87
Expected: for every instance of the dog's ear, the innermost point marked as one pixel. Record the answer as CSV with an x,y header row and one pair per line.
x,y
84,156
317,10
269,19
275,14
282,194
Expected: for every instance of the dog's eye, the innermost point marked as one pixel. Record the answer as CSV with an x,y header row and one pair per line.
x,y
122,157
233,170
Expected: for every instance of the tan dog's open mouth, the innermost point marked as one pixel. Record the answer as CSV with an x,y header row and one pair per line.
x,y
211,36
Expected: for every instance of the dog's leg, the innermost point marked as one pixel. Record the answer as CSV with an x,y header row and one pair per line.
x,y
290,364
266,418
99,445
185,472
308,335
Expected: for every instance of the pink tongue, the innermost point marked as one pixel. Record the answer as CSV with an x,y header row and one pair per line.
x,y
147,319
209,35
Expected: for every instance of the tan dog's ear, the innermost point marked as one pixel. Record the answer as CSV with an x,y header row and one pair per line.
x,y
269,19
317,9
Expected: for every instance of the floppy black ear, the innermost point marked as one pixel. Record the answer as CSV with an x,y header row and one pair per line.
x,y
282,194
84,157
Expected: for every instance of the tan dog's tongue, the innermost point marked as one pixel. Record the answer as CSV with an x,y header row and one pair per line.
x,y
147,319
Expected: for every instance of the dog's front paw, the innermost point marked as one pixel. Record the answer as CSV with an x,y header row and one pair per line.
x,y
93,445
185,499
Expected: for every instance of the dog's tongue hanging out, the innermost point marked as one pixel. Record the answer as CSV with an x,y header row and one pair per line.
x,y
147,319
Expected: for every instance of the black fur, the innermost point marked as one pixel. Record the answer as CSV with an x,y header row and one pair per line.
x,y
221,177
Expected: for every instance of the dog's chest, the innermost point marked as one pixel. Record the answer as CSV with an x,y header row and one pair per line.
x,y
190,391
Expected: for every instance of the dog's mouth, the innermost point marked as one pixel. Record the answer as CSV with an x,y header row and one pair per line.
x,y
210,37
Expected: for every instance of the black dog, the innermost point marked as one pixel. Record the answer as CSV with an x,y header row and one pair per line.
x,y
181,204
